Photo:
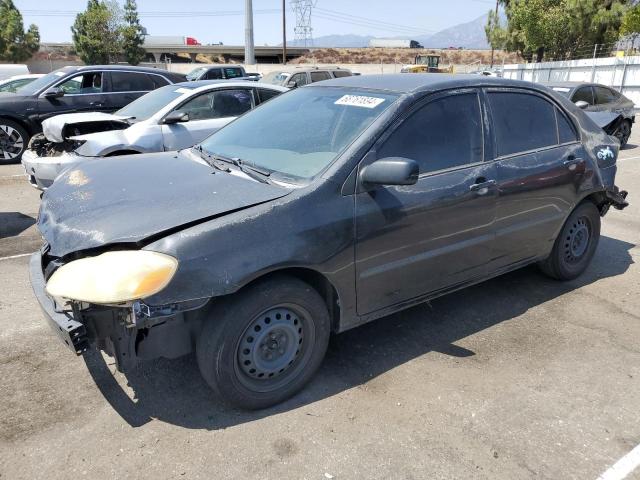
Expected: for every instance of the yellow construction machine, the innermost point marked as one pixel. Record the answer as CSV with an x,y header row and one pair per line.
x,y
426,64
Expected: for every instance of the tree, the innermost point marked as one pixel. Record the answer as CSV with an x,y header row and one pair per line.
x,y
97,32
16,45
132,34
631,25
556,29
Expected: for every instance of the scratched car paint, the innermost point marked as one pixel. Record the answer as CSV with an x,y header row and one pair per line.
x,y
326,208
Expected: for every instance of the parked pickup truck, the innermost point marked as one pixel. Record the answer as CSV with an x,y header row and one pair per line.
x,y
221,72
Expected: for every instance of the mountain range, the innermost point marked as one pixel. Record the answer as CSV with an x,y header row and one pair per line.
x,y
469,35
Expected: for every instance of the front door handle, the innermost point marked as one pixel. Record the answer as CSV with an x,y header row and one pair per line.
x,y
96,104
482,187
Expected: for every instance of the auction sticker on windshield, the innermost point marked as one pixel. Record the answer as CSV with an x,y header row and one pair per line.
x,y
359,101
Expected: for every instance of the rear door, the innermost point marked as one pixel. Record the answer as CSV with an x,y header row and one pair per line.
x,y
540,164
319,76
208,112
83,92
125,87
424,238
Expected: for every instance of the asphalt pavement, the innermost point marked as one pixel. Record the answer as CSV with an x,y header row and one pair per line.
x,y
519,377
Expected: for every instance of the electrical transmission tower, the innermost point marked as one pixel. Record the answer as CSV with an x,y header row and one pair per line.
x,y
303,30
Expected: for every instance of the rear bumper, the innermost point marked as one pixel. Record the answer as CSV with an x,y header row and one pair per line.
x,y
42,171
71,332
617,198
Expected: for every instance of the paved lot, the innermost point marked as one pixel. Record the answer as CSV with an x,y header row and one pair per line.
x,y
520,377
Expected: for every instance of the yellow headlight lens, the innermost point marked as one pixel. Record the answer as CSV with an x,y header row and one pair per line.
x,y
113,277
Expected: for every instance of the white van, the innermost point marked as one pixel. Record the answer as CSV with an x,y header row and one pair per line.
x,y
11,69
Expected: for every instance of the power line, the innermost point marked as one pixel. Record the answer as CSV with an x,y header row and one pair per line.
x,y
154,14
371,25
369,20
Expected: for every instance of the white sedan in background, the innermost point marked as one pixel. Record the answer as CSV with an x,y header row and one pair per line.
x,y
12,84
169,118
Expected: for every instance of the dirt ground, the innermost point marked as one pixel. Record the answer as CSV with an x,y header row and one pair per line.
x,y
520,377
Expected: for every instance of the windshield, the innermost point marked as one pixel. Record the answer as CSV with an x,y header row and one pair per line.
x,y
275,78
149,104
195,73
40,83
300,133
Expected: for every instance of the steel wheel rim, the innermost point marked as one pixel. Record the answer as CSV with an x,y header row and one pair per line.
x,y
274,347
577,240
11,142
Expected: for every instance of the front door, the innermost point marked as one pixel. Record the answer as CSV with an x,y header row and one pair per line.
x,y
208,113
437,234
540,164
82,93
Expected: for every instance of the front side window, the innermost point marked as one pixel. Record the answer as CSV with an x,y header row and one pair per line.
x,y
583,94
218,104
604,95
83,84
522,122
130,82
299,134
299,79
319,76
443,134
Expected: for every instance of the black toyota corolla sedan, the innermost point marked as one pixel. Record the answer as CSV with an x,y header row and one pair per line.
x,y
323,209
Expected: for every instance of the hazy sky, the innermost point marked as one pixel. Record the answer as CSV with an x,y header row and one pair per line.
x,y
382,18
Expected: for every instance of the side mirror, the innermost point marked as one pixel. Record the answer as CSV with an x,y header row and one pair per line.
x,y
581,104
54,92
391,171
176,117
292,84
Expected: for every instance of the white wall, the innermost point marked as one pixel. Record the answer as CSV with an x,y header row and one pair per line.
x,y
623,74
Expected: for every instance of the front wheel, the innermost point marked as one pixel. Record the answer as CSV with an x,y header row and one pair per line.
x,y
13,141
576,244
262,345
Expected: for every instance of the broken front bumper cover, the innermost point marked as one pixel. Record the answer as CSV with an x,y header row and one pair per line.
x,y
42,171
617,198
70,331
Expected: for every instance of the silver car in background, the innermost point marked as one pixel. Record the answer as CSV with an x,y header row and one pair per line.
x,y
169,118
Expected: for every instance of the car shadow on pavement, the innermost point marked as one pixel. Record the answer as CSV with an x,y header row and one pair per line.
x,y
14,223
172,391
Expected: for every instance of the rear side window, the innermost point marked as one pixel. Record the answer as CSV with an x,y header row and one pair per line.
x,y
158,81
232,72
266,95
443,134
522,122
218,104
319,76
604,95
583,94
341,73
566,132
131,82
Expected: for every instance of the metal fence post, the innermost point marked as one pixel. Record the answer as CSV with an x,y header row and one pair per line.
x,y
593,65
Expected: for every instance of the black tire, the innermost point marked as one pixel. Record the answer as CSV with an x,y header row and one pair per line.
x,y
246,347
13,141
576,244
623,132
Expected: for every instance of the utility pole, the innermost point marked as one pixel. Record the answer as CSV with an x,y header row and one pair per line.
x,y
249,53
497,4
284,33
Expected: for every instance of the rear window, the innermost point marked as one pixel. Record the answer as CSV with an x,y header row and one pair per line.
x,y
522,122
147,105
566,132
158,81
131,82
604,95
266,95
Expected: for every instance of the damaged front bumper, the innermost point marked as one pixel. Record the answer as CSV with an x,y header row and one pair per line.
x,y
126,333
42,171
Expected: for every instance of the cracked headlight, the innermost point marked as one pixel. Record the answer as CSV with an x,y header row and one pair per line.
x,y
113,277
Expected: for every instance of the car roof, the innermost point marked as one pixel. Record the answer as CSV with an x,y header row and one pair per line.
x,y
573,84
417,82
79,68
227,83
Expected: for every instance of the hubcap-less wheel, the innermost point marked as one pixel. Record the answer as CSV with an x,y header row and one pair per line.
x,y
272,346
577,240
11,142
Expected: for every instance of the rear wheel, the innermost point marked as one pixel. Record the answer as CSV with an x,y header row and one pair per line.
x,y
13,141
576,244
262,345
623,132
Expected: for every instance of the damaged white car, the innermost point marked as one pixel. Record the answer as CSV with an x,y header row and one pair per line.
x,y
169,118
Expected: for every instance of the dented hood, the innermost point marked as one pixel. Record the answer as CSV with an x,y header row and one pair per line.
x,y
55,128
130,198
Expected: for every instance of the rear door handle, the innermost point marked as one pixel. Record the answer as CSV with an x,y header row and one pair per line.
x,y
482,187
96,104
572,162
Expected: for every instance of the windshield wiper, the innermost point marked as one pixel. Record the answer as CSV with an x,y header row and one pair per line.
x,y
252,171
